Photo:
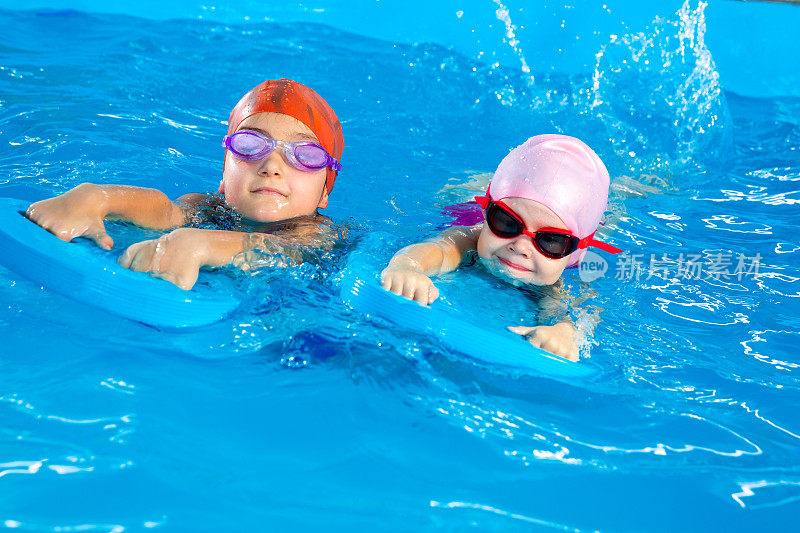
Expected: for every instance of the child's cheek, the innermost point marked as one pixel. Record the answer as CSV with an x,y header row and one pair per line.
x,y
551,272
228,171
483,246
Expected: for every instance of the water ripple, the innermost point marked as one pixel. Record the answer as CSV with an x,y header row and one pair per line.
x,y
32,467
117,426
118,385
691,311
726,222
500,512
790,493
515,434
32,526
773,343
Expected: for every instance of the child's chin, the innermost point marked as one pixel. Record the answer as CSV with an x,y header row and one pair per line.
x,y
508,274
263,216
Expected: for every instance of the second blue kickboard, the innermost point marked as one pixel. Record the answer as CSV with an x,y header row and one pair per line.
x,y
90,275
361,290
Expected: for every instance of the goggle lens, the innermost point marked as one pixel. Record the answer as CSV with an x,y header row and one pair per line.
x,y
555,245
311,155
247,145
502,223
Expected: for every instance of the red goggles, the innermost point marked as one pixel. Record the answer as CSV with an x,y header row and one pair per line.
x,y
554,243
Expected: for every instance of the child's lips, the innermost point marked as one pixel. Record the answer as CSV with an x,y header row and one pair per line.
x,y
268,191
514,266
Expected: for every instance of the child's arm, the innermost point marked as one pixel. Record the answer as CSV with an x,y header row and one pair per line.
x,y
408,271
178,256
80,212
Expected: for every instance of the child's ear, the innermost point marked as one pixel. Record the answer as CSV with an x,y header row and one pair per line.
x,y
222,187
323,202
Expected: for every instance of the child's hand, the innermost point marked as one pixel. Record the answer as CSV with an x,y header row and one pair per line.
x,y
175,257
76,213
558,340
409,283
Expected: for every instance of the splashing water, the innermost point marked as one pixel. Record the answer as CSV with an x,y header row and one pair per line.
x,y
511,37
654,98
685,120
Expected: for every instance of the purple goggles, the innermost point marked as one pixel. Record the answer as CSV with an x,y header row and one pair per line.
x,y
306,156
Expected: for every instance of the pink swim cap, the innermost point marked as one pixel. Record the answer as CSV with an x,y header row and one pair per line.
x,y
561,173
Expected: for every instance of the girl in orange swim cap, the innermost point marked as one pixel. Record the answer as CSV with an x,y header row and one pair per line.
x,y
282,156
265,184
295,100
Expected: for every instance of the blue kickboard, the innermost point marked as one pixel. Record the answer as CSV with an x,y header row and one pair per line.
x,y
362,291
88,274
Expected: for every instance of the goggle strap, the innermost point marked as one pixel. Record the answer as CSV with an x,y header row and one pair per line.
x,y
483,201
591,241
605,247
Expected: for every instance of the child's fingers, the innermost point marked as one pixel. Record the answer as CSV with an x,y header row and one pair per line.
x,y
572,355
413,288
68,230
422,294
39,217
127,256
530,334
567,350
184,275
560,349
393,285
408,291
64,233
525,331
433,293
185,282
99,236
189,279
34,213
137,257
389,282
142,259
389,278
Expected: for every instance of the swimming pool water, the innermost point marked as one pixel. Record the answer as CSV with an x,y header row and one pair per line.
x,y
298,413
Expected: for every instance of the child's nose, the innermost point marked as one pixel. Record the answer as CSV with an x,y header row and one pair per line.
x,y
522,245
273,164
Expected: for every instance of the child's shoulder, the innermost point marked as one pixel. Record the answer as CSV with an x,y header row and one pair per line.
x,y
208,210
312,227
193,198
462,232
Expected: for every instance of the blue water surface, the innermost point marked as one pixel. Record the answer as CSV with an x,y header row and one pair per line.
x,y
299,413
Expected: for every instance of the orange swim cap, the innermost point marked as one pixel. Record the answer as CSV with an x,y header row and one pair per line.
x,y
298,101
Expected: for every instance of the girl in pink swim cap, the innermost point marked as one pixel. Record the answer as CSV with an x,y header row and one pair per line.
x,y
541,211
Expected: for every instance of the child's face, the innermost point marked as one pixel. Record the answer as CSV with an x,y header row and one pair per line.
x,y
518,258
271,189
